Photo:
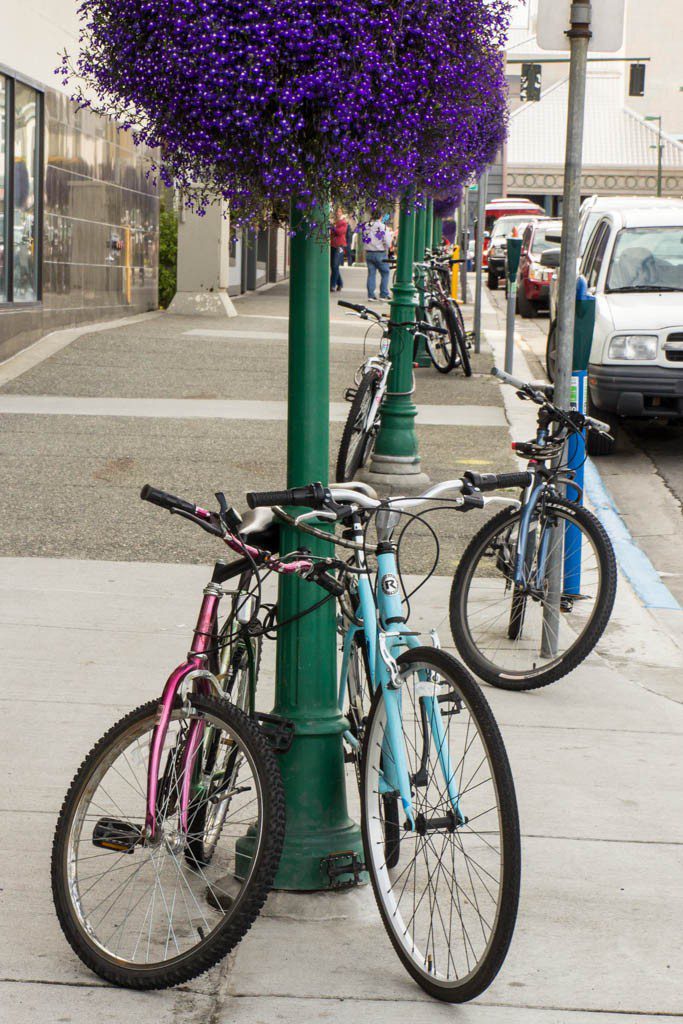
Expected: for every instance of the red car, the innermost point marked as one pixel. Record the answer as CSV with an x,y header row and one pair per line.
x,y
533,279
510,206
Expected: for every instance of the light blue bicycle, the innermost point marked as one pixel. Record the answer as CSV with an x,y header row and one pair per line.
x,y
439,814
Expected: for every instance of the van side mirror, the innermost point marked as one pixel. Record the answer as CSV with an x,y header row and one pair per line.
x,y
550,258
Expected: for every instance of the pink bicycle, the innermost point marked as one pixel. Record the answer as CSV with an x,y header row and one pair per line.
x,y
170,835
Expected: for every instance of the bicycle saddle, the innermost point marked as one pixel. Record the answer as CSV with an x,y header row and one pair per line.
x,y
259,525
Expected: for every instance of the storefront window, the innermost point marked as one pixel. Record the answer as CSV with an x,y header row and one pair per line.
x,y
3,164
26,191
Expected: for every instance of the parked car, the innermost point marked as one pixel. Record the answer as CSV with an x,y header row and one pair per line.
x,y
504,227
533,276
592,209
507,207
633,265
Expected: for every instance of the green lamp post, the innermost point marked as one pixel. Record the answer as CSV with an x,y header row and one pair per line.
x,y
396,461
318,822
421,226
429,239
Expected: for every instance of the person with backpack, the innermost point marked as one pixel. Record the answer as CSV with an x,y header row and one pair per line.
x,y
377,239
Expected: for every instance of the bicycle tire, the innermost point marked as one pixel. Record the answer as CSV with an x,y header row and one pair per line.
x,y
350,460
463,693
442,349
504,678
461,341
246,906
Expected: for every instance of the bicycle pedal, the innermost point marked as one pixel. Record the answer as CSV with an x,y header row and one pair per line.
x,y
346,862
350,394
116,835
278,731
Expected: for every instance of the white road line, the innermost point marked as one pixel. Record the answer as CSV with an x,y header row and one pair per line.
x,y
226,409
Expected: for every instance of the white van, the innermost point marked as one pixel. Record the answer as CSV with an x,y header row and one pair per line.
x,y
633,265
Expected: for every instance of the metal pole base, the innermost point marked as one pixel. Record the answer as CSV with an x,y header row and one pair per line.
x,y
395,474
317,823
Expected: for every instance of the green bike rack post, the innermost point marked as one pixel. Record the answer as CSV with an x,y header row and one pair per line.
x,y
421,354
318,823
396,460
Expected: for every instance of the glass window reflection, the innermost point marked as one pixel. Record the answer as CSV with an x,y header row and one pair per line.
x,y
25,261
3,217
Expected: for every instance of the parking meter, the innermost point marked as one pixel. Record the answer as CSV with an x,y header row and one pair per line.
x,y
584,323
514,252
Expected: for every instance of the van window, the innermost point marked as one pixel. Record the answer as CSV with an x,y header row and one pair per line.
x,y
597,254
587,230
647,259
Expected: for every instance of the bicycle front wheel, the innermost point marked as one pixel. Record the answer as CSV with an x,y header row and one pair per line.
x,y
358,437
448,890
520,638
142,912
442,347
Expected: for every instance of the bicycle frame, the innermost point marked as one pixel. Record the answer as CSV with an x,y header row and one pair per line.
x,y
386,636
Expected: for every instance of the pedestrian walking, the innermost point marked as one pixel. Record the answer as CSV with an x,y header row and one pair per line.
x,y
349,251
377,239
338,230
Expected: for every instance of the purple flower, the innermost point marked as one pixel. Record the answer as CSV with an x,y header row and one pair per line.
x,y
260,101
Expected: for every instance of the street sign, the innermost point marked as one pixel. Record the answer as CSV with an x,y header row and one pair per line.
x,y
606,18
530,83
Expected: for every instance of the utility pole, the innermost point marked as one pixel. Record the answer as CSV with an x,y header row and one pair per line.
x,y
464,208
660,147
478,257
579,36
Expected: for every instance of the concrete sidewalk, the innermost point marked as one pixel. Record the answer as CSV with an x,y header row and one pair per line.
x,y
102,593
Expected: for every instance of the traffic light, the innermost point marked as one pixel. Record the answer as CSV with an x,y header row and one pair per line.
x,y
530,83
636,80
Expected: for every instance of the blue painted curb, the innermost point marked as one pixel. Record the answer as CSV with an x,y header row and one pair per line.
x,y
633,562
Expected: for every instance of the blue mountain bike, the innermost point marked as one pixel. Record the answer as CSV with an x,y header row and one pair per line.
x,y
439,814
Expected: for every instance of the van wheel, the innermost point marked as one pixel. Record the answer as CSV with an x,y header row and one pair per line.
x,y
492,281
598,444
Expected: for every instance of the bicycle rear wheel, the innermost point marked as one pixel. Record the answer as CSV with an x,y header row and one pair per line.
x,y
136,910
448,891
508,635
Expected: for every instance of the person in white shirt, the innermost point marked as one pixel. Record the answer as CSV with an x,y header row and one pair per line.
x,y
377,239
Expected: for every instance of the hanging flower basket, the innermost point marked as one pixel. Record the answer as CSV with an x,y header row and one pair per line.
x,y
259,101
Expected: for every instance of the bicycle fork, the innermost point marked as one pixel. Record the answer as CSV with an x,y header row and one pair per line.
x,y
204,683
395,775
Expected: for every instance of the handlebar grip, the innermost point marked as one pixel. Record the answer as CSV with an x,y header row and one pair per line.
x,y
312,496
602,428
164,500
507,378
494,481
432,328
351,305
330,584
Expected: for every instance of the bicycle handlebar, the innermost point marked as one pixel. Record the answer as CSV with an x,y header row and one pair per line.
x,y
168,501
494,481
507,378
361,310
312,496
